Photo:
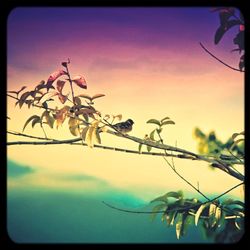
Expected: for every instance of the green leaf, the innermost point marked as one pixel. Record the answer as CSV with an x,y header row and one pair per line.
x,y
199,211
166,118
156,209
178,226
159,130
49,119
167,122
23,98
30,119
77,100
149,148
154,121
140,148
212,211
177,195
187,220
230,202
236,134
35,121
170,216
164,198
151,136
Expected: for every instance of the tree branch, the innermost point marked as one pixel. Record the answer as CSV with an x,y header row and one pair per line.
x,y
219,59
175,209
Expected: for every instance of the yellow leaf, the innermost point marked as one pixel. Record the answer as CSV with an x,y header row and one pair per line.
x,y
84,132
49,119
89,136
97,136
73,126
60,115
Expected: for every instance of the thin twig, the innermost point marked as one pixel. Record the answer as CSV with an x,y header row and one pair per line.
x,y
175,209
71,84
219,59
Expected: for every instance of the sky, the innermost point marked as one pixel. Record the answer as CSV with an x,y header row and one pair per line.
x,y
149,64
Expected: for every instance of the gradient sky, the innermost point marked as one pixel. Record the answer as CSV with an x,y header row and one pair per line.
x,y
148,63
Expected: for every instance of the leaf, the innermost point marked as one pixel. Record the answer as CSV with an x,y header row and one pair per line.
x,y
97,136
77,100
237,134
23,98
60,115
91,134
85,111
140,148
164,198
29,103
170,217
239,40
154,121
53,77
30,119
84,132
177,195
35,121
149,148
167,122
156,209
166,118
119,117
217,215
178,226
97,96
198,213
80,81
73,126
59,85
85,96
223,29
45,97
231,202
49,119
212,211
242,62
151,136
62,98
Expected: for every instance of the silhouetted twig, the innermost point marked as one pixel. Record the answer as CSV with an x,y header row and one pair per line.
x,y
219,59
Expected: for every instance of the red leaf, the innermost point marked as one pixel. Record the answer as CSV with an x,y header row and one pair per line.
x,y
54,76
80,81
60,85
62,98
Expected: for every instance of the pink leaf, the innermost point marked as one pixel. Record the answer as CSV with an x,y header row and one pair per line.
x,y
54,76
60,85
80,81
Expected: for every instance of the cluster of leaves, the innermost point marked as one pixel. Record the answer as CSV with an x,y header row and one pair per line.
x,y
158,130
218,219
82,117
209,144
228,19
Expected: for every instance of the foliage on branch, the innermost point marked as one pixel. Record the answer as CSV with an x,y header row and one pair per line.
x,y
228,19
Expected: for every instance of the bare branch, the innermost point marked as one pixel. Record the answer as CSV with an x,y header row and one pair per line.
x,y
219,59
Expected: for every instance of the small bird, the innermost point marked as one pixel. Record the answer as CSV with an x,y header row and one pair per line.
x,y
124,127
